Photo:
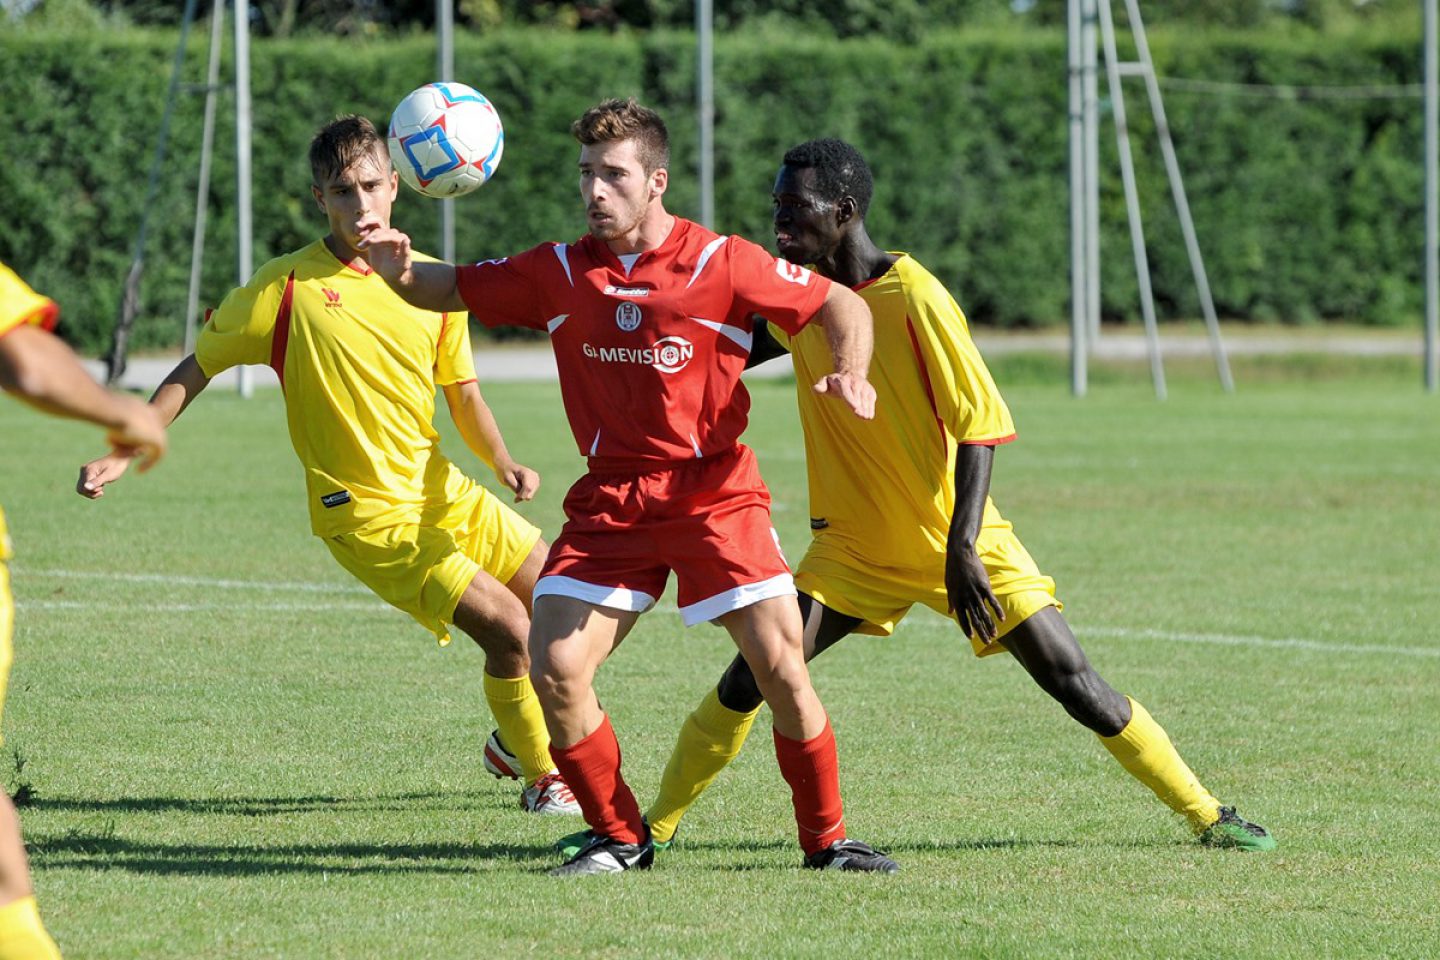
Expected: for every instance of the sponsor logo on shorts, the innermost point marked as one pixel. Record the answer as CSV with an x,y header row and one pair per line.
x,y
818,523
669,355
338,498
613,291
627,317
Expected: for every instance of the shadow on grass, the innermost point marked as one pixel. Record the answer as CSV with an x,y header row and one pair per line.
x,y
103,852
270,806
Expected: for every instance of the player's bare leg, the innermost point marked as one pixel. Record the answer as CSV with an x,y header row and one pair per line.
x,y
715,731
1047,649
769,636
497,617
22,935
569,639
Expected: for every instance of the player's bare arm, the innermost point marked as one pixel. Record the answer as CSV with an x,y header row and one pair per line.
x,y
41,370
967,585
851,334
481,434
429,286
181,386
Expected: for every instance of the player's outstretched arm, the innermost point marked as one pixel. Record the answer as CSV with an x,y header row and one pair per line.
x,y
41,370
429,286
481,434
851,334
967,584
180,386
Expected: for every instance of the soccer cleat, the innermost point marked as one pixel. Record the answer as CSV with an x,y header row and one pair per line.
x,y
1234,832
570,844
499,761
550,795
851,855
607,855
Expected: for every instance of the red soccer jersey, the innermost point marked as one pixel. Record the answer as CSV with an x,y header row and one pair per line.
x,y
650,357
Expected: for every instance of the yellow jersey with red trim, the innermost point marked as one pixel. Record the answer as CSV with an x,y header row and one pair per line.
x,y
885,488
359,367
20,305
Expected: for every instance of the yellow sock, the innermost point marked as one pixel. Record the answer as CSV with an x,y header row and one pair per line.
x,y
711,737
1147,753
522,725
22,935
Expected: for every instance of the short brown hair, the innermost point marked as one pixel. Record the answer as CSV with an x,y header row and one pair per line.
x,y
613,120
343,141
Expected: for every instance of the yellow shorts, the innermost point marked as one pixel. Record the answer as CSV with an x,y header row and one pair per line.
x,y
424,570
881,596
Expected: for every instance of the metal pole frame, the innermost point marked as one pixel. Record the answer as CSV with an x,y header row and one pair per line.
x,y
244,222
202,187
1079,356
1432,204
1132,199
705,97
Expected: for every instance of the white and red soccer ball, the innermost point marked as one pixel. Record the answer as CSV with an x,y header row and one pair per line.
x,y
445,139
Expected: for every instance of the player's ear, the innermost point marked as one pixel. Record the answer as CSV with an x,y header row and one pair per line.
x,y
845,210
659,180
319,197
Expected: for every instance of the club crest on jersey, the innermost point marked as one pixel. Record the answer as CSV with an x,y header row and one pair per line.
x,y
627,317
792,272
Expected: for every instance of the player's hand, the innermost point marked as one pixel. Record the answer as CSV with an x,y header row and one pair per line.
x,y
388,251
97,473
141,434
967,587
853,389
520,479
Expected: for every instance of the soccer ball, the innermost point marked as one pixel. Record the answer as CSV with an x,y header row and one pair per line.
x,y
445,139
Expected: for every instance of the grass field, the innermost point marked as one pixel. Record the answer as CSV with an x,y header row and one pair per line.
x,y
233,751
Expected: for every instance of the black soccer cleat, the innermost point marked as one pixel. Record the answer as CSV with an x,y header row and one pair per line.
x,y
851,855
607,855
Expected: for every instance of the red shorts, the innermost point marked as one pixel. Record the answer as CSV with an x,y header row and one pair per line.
x,y
708,520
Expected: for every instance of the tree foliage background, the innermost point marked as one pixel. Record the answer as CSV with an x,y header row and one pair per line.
x,y
1307,210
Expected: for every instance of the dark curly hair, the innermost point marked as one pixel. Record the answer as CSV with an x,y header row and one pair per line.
x,y
840,171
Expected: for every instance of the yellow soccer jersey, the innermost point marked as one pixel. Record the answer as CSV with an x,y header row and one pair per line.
x,y
20,305
884,489
359,367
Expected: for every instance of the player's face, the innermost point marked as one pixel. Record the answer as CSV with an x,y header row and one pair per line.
x,y
358,199
806,228
616,189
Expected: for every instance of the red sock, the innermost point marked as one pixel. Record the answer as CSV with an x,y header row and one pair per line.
x,y
591,768
812,769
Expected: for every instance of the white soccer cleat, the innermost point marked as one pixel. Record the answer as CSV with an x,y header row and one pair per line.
x,y
549,795
499,761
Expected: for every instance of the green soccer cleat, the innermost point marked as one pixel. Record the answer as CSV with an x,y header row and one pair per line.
x,y
1234,832
571,844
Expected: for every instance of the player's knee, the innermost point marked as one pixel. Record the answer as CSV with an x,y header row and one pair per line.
x,y
738,690
1090,700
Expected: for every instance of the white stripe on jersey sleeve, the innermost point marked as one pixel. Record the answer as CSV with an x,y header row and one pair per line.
x,y
742,339
561,253
553,323
705,256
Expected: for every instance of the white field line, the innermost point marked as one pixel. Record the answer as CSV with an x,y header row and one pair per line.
x,y
1227,640
1211,639
297,586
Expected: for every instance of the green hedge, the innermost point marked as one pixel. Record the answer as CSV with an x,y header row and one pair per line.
x,y
1306,210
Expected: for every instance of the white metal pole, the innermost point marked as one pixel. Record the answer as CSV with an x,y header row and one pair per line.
x,y
1078,298
1090,94
445,52
1432,205
1182,203
242,162
705,93
202,189
1132,199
